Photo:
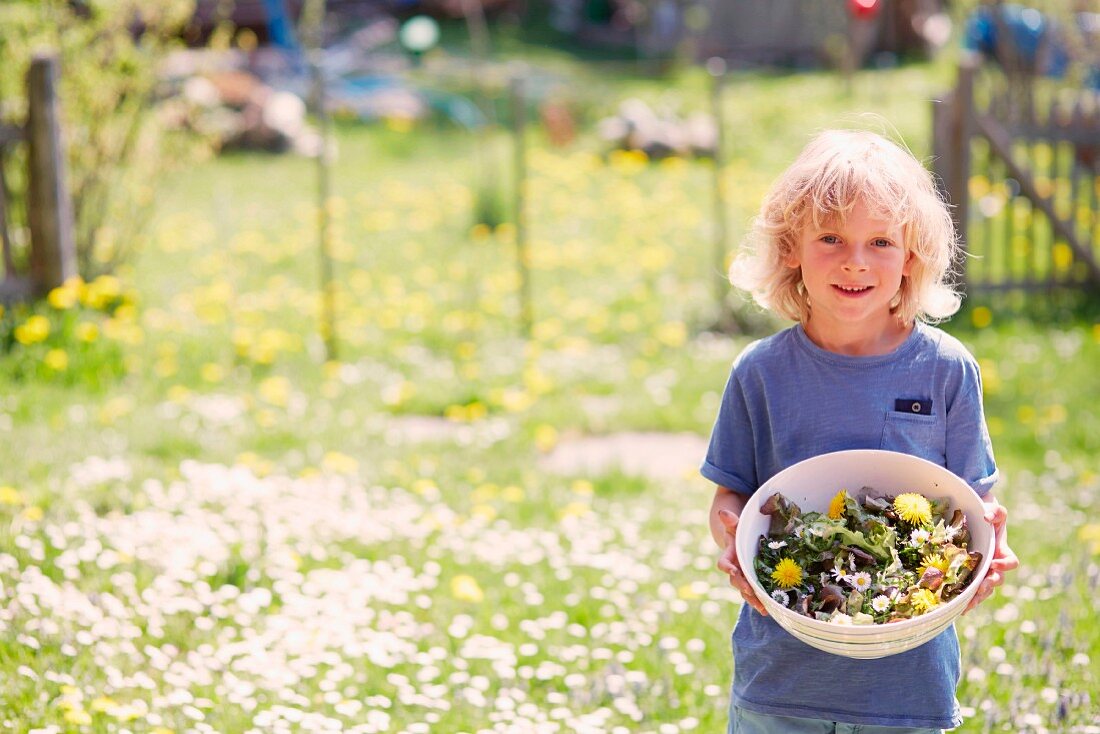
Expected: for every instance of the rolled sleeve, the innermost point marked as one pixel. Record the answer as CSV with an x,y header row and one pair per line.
x,y
969,448
731,460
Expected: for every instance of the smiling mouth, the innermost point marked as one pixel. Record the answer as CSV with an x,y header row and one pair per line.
x,y
853,289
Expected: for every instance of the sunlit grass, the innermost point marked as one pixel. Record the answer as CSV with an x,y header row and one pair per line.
x,y
242,535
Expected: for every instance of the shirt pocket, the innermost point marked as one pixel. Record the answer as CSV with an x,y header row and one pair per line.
x,y
919,435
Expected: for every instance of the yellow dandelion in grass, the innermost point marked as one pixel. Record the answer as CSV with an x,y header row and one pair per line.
x,y
63,297
787,573
466,588
35,329
57,360
836,505
546,437
80,717
923,600
914,508
276,391
1089,534
87,332
339,463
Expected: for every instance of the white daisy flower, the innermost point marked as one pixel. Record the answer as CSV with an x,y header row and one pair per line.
x,y
880,603
777,544
799,531
781,597
838,574
860,581
919,537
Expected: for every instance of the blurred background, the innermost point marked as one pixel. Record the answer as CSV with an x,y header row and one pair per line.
x,y
357,357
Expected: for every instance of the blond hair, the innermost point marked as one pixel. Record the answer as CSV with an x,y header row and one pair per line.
x,y
835,171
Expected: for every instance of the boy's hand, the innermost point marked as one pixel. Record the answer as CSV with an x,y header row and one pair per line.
x,y
729,563
1003,558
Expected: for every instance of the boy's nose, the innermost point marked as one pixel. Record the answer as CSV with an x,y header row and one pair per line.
x,y
855,260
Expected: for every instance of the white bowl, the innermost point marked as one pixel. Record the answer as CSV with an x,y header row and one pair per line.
x,y
810,484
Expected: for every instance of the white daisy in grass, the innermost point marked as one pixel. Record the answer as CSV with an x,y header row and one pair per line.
x,y
781,596
880,603
777,544
919,537
860,581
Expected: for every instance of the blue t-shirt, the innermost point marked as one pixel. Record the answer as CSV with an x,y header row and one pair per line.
x,y
788,399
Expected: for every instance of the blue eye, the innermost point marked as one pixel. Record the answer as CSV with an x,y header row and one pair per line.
x,y
830,239
881,242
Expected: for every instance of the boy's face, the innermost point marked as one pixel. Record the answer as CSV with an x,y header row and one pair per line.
x,y
851,272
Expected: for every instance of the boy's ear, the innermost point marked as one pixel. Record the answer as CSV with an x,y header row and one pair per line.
x,y
791,260
908,264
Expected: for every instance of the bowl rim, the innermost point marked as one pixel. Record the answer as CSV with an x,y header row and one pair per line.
x,y
915,625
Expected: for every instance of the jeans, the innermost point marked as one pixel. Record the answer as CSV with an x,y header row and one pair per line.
x,y
748,722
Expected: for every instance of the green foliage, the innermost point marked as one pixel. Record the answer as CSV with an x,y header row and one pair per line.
x,y
109,53
75,337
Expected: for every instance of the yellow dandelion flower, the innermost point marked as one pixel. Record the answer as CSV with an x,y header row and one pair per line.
x,y
87,332
787,574
546,437
574,509
63,298
212,372
934,560
80,717
10,496
35,329
923,600
56,359
914,508
836,505
339,463
466,588
275,390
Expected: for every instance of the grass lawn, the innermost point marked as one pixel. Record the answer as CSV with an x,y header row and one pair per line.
x,y
240,535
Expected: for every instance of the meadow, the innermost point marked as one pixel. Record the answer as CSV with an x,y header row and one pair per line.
x,y
208,526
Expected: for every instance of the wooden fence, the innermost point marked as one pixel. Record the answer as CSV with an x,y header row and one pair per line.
x,y
1017,156
48,213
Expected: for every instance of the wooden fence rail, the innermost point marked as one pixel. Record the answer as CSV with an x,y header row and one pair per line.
x,y
1017,157
49,211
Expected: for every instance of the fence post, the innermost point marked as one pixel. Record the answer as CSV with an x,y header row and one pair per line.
x,y
519,127
50,210
716,66
959,126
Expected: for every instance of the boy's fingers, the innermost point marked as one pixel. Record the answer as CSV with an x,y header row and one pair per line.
x,y
729,520
985,590
755,603
996,515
